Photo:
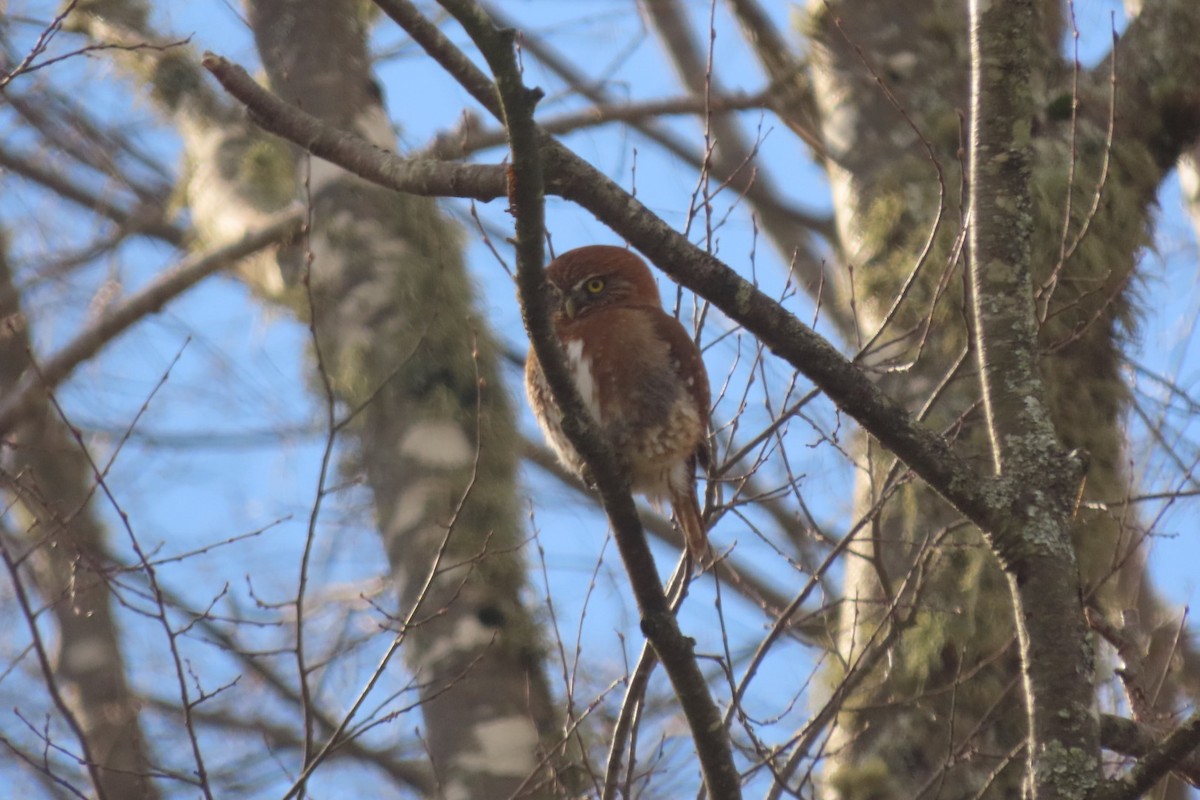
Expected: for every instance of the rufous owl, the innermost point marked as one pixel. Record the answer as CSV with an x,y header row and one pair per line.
x,y
639,374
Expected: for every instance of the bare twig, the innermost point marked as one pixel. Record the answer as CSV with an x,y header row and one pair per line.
x,y
51,680
25,396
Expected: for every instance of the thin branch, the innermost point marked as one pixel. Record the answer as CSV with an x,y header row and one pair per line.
x,y
160,613
635,691
24,398
25,67
469,139
48,672
319,493
417,778
811,626
140,220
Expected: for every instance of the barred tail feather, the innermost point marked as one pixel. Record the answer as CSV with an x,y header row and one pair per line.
x,y
687,515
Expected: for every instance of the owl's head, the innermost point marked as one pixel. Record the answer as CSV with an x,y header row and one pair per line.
x,y
599,276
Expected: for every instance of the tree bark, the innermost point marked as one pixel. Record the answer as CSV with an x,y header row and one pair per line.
x,y
395,320
888,197
44,470
434,434
1063,741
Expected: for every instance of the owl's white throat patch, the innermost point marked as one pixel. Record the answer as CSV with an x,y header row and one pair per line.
x,y
581,368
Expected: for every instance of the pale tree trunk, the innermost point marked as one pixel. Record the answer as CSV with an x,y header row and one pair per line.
x,y
45,470
957,671
234,177
398,331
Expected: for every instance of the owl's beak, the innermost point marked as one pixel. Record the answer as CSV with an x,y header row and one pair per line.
x,y
569,307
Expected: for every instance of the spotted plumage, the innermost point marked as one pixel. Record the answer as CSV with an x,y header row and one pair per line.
x,y
639,374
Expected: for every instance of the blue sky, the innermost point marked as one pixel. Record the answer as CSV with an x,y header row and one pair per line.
x,y
199,471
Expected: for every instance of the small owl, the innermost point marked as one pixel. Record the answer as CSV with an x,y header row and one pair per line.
x,y
639,374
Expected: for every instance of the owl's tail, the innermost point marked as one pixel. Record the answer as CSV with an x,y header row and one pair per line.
x,y
687,514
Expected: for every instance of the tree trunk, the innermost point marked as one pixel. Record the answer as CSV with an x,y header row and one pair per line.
x,y
48,474
401,344
958,671
397,329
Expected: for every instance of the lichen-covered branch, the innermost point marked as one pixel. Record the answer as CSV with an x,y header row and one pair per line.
x,y
1157,757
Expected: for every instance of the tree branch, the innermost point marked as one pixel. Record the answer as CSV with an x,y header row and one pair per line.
x,y
926,452
1033,540
27,394
427,177
527,198
1177,752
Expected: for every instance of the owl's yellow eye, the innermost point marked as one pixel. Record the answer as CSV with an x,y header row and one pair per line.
x,y
595,285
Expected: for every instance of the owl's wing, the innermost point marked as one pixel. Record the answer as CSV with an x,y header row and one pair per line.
x,y
689,365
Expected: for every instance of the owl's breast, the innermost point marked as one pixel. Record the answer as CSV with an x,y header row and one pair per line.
x,y
548,415
636,373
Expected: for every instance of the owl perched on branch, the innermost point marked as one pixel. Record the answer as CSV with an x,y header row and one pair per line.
x,y
639,374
